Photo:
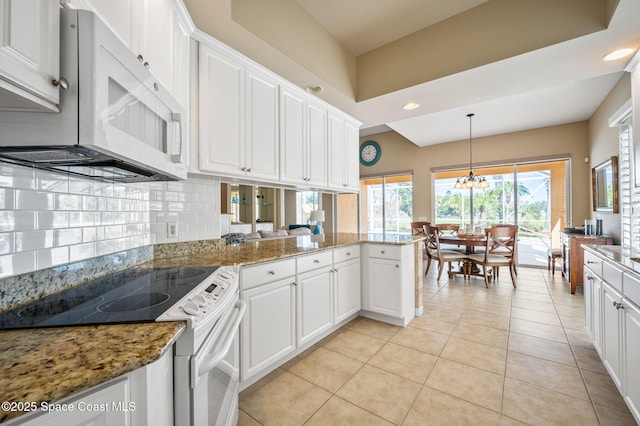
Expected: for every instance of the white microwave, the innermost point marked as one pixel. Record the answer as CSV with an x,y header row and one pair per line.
x,y
116,122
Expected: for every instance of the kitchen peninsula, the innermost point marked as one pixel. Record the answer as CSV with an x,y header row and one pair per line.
x,y
46,365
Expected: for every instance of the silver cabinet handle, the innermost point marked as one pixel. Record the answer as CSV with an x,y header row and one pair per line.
x,y
381,251
589,262
618,305
272,272
249,169
61,82
295,283
140,58
589,277
397,266
316,261
348,253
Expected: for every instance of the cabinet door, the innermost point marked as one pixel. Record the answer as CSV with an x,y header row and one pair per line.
x,y
114,398
337,160
316,145
292,138
29,54
347,289
221,113
262,126
611,331
352,160
385,287
315,302
631,349
596,315
589,276
268,328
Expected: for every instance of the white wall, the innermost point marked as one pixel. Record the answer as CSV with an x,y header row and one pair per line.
x,y
49,219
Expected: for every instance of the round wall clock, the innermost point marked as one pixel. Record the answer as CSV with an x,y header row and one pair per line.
x,y
370,153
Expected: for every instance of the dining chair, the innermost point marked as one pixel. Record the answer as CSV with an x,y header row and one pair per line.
x,y
515,247
450,229
417,228
499,251
436,252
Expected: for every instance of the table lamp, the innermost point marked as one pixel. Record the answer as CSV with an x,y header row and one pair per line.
x,y
317,216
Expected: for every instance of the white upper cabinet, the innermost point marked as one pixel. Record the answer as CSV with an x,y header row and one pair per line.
x,y
344,171
221,112
303,147
262,135
29,54
156,31
238,115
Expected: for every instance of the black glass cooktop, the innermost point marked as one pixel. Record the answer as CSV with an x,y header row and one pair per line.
x,y
133,295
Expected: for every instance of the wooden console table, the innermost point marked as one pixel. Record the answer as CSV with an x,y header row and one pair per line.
x,y
573,255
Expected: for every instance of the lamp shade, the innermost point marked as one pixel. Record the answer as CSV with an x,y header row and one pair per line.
x,y
317,215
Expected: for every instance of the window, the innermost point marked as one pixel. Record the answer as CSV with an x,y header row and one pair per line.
x,y
386,204
530,195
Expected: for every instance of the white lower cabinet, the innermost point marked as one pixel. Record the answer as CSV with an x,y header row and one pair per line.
x,y
314,304
631,350
294,303
389,283
346,289
93,407
611,331
268,328
141,397
612,317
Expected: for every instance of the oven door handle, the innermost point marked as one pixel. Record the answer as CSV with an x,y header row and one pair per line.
x,y
216,348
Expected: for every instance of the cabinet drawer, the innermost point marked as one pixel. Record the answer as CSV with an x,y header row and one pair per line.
x,y
593,262
313,261
342,254
612,275
631,286
252,276
385,252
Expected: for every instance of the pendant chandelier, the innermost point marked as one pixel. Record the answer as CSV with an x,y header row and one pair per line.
x,y
471,180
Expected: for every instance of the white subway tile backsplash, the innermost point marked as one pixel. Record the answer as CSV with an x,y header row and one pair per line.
x,y
48,257
6,199
17,221
68,202
52,219
33,240
48,219
34,200
6,243
17,263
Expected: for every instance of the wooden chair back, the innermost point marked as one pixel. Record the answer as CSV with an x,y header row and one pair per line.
x,y
501,240
417,228
448,228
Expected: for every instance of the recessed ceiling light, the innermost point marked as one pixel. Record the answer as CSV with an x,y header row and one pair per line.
x,y
618,54
410,105
314,88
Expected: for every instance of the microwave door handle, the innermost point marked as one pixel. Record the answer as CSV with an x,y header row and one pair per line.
x,y
215,349
177,155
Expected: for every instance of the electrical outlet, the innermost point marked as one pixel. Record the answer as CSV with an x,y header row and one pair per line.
x,y
172,230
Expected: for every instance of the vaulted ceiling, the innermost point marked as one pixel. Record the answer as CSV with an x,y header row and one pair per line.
x,y
517,64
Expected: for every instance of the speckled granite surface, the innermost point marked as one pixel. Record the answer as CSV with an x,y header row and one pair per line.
x,y
49,364
265,251
26,288
628,259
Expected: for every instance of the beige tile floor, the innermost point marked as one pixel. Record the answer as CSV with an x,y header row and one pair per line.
x,y
476,357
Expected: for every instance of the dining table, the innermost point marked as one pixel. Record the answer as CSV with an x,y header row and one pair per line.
x,y
469,242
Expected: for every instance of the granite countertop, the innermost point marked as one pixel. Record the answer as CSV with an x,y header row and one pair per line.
x,y
627,259
253,252
48,364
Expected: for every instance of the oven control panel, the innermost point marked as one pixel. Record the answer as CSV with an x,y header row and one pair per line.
x,y
208,299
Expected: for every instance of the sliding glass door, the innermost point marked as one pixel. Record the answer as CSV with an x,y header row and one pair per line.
x,y
386,204
530,195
